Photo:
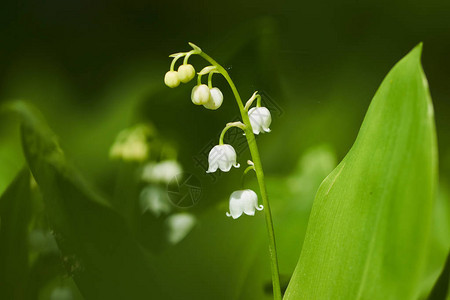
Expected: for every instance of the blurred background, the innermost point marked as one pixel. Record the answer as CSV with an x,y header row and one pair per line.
x,y
95,70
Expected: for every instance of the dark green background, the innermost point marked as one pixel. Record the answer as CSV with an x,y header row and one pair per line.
x,y
94,68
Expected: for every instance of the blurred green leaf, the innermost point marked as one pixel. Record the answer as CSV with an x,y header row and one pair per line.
x,y
291,200
15,213
97,247
369,230
11,157
441,288
228,259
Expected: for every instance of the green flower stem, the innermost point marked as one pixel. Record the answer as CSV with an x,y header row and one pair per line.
x,y
228,126
248,169
258,101
259,175
186,58
174,60
210,80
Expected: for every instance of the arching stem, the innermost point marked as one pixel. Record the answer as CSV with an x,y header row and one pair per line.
x,y
228,126
259,174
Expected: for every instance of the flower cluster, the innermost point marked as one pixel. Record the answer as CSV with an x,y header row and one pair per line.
x,y
255,120
207,95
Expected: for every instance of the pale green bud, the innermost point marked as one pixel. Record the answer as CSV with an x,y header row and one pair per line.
x,y
186,73
171,79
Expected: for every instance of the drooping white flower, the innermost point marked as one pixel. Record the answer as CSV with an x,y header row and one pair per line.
x,y
200,94
216,99
222,157
155,200
243,201
171,79
186,73
42,241
131,143
260,119
62,293
179,225
163,171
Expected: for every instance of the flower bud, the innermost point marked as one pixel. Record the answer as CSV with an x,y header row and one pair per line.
x,y
186,73
260,119
200,94
171,79
216,99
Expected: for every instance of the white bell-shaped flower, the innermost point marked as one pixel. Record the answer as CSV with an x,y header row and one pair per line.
x,y
186,73
200,94
131,144
179,226
216,99
260,119
62,293
243,201
171,79
155,200
161,172
222,157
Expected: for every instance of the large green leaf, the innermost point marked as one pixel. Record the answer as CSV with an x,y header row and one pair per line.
x,y
369,231
96,245
15,213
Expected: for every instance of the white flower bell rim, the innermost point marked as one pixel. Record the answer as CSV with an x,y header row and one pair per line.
x,y
222,157
243,201
260,119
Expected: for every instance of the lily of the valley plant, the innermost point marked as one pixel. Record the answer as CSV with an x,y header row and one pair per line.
x,y
223,156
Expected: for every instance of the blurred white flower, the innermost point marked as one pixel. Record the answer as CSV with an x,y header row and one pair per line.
x,y
216,99
154,199
163,171
171,79
61,293
186,73
260,119
42,241
179,225
222,157
131,143
200,94
243,201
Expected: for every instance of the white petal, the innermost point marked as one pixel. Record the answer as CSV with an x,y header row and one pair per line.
x,y
236,205
222,157
216,99
256,130
200,94
163,171
260,119
212,168
243,201
179,226
250,200
154,199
